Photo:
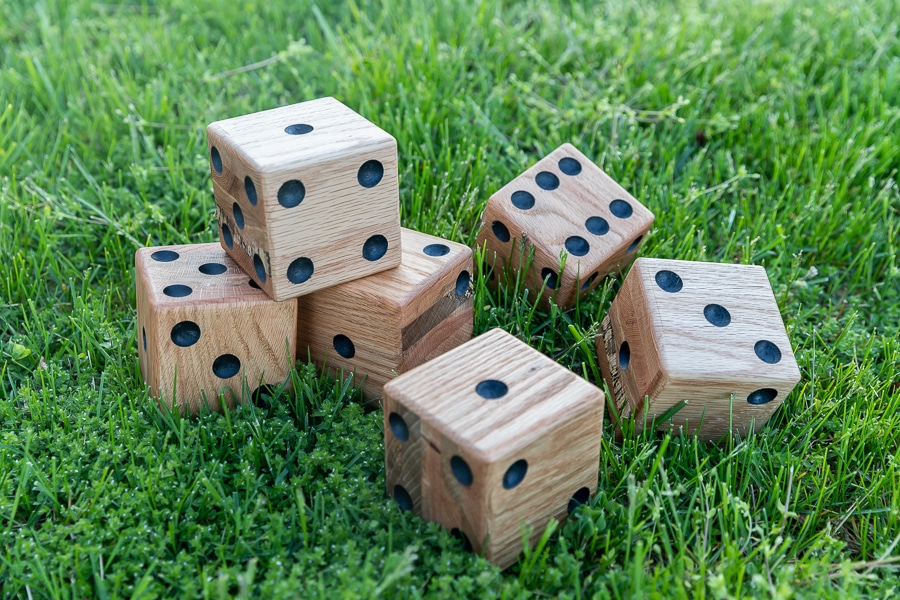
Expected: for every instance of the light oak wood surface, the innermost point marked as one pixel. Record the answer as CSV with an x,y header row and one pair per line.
x,y
396,319
704,336
327,197
563,204
193,323
542,435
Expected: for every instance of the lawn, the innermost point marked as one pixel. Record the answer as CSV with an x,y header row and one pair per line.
x,y
763,133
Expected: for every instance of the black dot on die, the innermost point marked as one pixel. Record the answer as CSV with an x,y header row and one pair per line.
x,y
578,498
550,277
254,285
717,315
260,267
588,282
344,346
300,270
291,193
669,281
164,256
577,245
463,538
177,290
569,166
238,215
226,366
597,225
298,129
547,180
762,396
370,173
262,396
461,470
522,200
185,334
500,231
227,237
144,335
515,474
766,351
398,427
635,244
624,355
250,188
491,389
212,268
436,249
621,209
462,283
375,247
216,159
404,500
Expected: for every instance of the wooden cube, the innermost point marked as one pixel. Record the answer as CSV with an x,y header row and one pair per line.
x,y
705,334
204,328
306,196
490,437
390,322
563,204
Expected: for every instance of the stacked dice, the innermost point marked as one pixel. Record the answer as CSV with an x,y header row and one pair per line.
x,y
485,436
312,263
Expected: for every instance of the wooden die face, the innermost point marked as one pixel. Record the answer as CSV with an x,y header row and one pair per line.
x,y
390,322
307,196
705,333
565,204
507,437
202,327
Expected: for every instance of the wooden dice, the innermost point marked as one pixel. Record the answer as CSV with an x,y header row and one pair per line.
x,y
563,204
489,437
306,196
705,335
204,329
390,322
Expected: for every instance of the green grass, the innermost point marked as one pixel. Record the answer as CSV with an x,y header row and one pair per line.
x,y
103,109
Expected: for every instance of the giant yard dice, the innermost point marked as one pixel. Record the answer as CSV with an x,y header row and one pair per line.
x,y
306,196
390,322
203,328
489,437
563,204
705,337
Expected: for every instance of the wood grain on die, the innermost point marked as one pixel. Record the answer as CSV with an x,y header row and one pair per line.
x,y
316,187
512,416
395,319
206,327
564,203
707,334
403,456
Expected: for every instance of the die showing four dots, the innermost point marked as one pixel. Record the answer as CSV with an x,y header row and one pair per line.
x,y
306,196
203,329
